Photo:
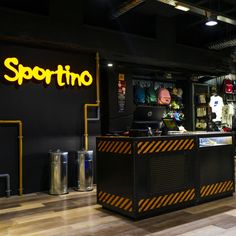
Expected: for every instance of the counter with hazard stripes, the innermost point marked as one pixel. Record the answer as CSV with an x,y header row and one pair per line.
x,y
141,177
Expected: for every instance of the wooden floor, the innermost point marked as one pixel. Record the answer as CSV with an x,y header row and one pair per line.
x,y
78,214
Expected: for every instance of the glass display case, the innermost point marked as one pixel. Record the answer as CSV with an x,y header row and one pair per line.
x,y
215,141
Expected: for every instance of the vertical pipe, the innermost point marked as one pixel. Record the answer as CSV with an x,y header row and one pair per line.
x,y
20,159
98,77
85,128
92,105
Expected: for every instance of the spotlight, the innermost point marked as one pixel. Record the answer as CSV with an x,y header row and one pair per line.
x,y
110,64
211,21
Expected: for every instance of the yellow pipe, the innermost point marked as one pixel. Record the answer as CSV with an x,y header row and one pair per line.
x,y
91,105
20,151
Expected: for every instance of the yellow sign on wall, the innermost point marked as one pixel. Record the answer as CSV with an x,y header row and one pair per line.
x,y
63,75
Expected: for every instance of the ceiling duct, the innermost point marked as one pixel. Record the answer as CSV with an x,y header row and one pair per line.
x,y
223,44
200,11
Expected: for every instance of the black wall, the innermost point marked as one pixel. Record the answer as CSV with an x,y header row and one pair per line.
x,y
52,117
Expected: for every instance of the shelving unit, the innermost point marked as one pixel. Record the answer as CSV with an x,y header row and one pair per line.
x,y
200,96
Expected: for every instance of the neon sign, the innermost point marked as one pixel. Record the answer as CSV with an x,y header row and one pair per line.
x,y
63,74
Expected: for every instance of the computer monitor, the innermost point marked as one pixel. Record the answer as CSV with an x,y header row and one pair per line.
x,y
170,124
148,116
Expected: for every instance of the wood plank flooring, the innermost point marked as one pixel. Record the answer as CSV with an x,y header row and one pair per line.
x,y
77,214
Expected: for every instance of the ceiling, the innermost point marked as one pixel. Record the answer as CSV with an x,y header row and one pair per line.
x,y
147,17
150,18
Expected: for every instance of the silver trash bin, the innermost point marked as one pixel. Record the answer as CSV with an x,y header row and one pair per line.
x,y
58,172
84,166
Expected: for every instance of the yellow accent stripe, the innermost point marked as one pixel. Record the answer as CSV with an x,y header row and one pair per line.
x,y
99,143
191,147
144,204
110,199
114,147
128,149
105,147
167,200
122,149
154,148
161,146
172,200
102,196
99,194
128,206
109,148
105,199
173,144
118,147
214,189
205,191
149,146
221,190
139,144
224,190
167,145
185,194
182,146
162,200
123,204
217,190
140,202
230,187
190,196
142,147
103,143
209,190
119,202
188,145
179,143
149,204
115,199
202,189
177,199
155,203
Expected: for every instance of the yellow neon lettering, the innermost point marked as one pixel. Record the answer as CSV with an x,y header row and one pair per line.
x,y
48,76
75,77
7,63
60,73
86,74
39,73
67,72
63,74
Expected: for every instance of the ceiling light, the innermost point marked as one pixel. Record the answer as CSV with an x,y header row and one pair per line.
x,y
211,21
182,7
110,64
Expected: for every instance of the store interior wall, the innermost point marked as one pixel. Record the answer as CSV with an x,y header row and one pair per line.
x,y
113,121
52,117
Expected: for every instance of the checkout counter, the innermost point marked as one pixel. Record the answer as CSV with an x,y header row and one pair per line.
x,y
144,176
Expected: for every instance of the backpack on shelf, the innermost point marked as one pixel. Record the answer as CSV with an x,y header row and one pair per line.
x,y
163,96
227,86
151,97
139,95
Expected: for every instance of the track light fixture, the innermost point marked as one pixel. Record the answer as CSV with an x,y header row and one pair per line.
x,y
211,20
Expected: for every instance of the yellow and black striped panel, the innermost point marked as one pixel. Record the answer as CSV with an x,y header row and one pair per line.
x,y
165,146
166,200
212,189
121,147
115,201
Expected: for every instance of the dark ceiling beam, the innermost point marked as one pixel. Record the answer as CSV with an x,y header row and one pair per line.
x,y
127,6
230,11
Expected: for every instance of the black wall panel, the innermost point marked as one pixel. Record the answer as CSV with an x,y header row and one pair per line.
x,y
52,117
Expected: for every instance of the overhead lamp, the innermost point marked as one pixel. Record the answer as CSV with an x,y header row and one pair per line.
x,y
181,7
211,20
110,64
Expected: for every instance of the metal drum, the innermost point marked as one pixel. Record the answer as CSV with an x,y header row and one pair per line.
x,y
84,166
58,172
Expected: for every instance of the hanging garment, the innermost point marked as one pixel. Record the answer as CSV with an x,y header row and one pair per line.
x,y
216,104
